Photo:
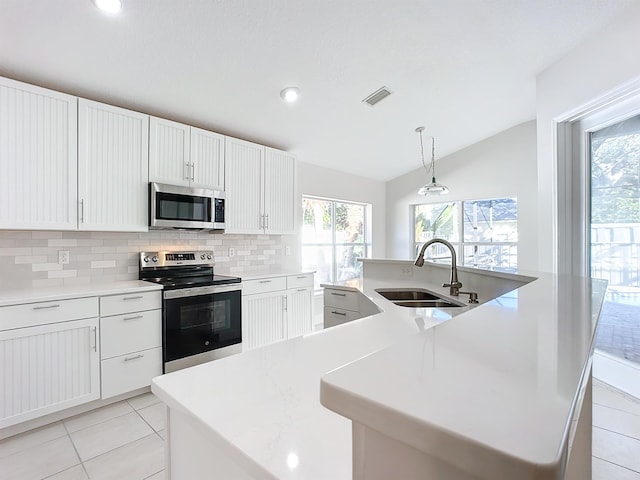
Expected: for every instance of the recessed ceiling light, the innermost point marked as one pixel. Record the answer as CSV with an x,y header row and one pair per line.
x,y
108,6
290,94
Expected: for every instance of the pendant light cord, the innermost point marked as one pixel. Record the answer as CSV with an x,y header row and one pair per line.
x,y
422,151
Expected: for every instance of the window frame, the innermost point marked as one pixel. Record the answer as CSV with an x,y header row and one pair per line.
x,y
366,235
460,244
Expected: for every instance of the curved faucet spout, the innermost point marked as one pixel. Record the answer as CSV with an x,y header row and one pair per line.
x,y
454,284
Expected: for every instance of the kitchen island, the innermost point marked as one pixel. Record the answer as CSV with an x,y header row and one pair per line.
x,y
487,388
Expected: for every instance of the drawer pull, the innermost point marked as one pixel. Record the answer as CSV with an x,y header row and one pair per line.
x,y
135,357
47,306
302,289
137,297
339,294
133,318
339,313
301,277
266,281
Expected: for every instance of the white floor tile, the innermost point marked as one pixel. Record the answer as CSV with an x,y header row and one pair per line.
x,y
603,395
40,461
603,470
616,421
98,415
157,476
29,439
154,416
74,473
98,439
616,448
134,461
144,400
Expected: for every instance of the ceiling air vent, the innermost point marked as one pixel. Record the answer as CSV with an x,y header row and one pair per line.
x,y
376,96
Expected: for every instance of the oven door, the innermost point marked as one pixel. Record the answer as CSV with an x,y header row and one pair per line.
x,y
200,319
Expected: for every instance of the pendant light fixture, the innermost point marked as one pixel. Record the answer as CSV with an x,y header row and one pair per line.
x,y
432,188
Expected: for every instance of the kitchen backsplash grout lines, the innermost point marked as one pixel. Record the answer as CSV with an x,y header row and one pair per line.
x,y
30,258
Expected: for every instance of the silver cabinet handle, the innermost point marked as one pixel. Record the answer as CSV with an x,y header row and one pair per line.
x,y
302,289
284,303
186,170
262,221
137,297
133,318
339,313
302,276
82,210
339,294
135,357
266,223
193,171
47,306
266,281
95,338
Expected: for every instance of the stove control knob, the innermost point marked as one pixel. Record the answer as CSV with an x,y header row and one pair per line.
x,y
208,257
146,259
202,256
155,259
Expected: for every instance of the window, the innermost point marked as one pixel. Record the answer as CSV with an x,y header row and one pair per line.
x,y
484,233
335,234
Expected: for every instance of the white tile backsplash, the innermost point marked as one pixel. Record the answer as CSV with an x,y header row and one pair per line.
x,y
29,258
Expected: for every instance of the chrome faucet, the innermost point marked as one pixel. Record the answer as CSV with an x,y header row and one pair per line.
x,y
454,284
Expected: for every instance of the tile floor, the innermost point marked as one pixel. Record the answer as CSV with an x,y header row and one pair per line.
x,y
124,441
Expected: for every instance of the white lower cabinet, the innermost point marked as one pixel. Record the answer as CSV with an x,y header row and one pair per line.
x,y
48,365
342,306
131,341
276,308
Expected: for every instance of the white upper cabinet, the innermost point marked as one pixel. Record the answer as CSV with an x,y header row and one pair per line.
x,y
183,155
207,159
243,182
112,168
260,184
279,192
38,157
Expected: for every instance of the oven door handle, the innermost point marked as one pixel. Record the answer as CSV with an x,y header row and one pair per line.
x,y
207,290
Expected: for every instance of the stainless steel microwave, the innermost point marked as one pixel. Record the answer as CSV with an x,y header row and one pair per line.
x,y
175,206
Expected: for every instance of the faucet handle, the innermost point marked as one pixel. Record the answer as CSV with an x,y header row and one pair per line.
x,y
454,284
473,296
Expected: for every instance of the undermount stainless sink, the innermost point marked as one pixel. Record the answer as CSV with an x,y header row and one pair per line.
x,y
417,298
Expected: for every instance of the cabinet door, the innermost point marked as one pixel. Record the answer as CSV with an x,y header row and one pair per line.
x,y
280,202
38,158
299,312
243,183
169,152
262,319
207,158
113,159
48,368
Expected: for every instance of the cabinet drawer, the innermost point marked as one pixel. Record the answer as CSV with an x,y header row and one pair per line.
x,y
264,285
42,313
302,280
341,298
131,302
130,332
128,372
335,316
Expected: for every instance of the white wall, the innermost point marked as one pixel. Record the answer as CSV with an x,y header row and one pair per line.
x,y
329,183
501,166
597,70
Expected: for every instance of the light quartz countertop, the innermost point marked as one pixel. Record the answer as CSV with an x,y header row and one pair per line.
x,y
501,377
272,273
40,294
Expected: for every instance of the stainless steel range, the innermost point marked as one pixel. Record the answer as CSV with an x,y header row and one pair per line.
x,y
201,311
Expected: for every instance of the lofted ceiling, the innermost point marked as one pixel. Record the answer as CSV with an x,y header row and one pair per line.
x,y
465,69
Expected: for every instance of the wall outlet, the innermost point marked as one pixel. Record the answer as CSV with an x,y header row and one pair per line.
x,y
287,250
406,271
63,257
232,252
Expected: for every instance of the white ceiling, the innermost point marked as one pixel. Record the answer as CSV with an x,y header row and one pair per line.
x,y
463,68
